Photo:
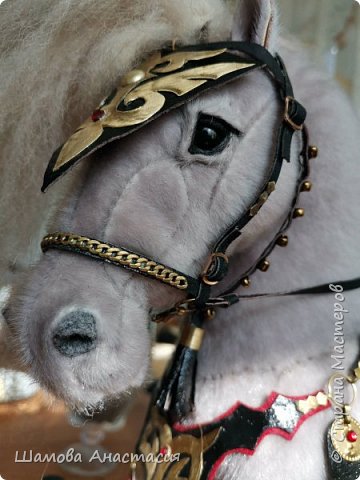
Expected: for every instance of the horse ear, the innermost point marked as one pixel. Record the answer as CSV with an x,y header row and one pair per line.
x,y
255,21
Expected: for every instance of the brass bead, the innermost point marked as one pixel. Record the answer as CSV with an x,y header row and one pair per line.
x,y
245,282
264,265
282,241
210,313
313,151
298,212
306,186
133,76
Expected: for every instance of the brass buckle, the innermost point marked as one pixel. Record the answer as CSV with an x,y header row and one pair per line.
x,y
204,274
287,118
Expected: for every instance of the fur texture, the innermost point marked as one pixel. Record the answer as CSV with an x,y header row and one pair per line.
x,y
149,193
8,356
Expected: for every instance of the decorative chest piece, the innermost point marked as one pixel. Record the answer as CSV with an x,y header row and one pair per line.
x,y
343,438
195,452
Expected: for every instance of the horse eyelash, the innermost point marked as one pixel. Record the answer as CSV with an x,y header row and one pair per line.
x,y
228,125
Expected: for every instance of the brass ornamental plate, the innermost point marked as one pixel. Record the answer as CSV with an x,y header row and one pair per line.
x,y
345,438
167,80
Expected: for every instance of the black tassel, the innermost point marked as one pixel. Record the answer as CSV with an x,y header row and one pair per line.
x,y
177,393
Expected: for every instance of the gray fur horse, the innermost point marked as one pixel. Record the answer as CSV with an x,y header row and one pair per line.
x,y
149,193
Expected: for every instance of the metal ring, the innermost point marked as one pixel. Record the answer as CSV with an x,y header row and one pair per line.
x,y
330,389
204,274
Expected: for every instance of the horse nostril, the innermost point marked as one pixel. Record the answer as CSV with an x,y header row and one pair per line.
x,y
75,334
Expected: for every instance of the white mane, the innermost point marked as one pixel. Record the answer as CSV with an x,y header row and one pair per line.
x,y
58,60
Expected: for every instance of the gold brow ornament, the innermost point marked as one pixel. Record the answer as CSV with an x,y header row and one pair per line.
x,y
145,85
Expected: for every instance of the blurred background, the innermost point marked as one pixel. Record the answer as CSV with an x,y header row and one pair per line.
x,y
331,29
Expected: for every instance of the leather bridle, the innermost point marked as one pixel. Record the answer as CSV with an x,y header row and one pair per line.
x,y
176,394
216,267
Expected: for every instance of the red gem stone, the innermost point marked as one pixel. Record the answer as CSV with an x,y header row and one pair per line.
x,y
351,436
163,451
97,115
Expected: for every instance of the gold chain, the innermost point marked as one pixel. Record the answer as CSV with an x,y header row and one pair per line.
x,y
116,256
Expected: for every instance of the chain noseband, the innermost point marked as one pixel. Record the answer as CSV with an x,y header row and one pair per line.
x,y
116,256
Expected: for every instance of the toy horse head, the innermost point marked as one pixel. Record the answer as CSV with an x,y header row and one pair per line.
x,y
183,148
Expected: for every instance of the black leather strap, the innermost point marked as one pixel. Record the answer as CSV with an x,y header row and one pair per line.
x,y
297,115
228,299
303,174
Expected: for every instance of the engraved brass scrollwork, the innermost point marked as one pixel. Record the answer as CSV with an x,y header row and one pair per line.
x,y
158,434
157,75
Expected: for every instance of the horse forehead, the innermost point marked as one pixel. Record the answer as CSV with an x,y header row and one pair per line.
x,y
236,100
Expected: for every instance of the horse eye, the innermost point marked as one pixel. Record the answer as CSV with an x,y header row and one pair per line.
x,y
211,135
